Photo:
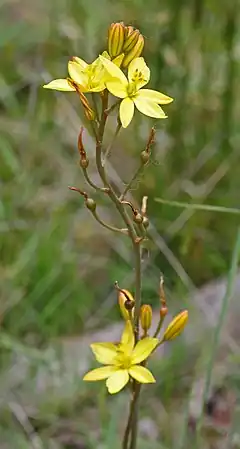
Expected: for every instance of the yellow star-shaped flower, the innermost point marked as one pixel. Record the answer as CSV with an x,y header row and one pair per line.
x,y
130,90
123,360
83,77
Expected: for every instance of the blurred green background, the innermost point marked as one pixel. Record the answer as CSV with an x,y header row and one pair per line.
x,y
57,266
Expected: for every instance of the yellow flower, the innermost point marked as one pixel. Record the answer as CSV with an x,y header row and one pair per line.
x,y
130,90
83,77
122,360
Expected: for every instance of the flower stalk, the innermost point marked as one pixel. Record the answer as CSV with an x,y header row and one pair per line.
x,y
124,362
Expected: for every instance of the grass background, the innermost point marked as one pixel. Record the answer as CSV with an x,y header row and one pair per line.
x,y
57,266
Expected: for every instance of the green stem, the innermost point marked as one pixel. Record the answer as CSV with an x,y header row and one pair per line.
x,y
138,282
112,195
131,416
132,421
158,327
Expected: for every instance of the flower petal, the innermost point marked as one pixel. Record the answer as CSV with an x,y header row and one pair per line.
x,y
128,339
104,352
77,75
100,373
114,71
116,88
154,95
118,60
83,65
138,72
60,84
149,108
126,111
141,374
143,349
117,381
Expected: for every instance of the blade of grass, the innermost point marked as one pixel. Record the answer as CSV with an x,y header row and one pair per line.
x,y
205,207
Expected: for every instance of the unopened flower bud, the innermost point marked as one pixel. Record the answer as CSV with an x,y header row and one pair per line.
x,y
90,114
176,326
131,40
126,303
84,162
145,222
90,204
128,30
138,218
135,52
146,317
115,39
145,156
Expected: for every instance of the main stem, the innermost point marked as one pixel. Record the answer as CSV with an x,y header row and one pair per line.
x,y
131,428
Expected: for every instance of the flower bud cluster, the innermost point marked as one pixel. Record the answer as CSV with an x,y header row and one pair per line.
x,y
175,327
126,41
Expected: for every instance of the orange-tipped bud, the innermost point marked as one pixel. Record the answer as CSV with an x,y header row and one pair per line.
x,y
146,317
163,311
126,303
135,52
176,326
115,39
130,41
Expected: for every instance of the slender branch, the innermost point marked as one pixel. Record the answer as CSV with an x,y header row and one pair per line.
x,y
110,146
145,157
88,180
129,185
107,226
159,326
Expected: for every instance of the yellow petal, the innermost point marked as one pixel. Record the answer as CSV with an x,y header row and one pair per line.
x,y
114,71
116,88
149,108
141,374
104,352
106,55
117,381
118,60
154,95
60,84
83,65
126,111
128,339
100,373
143,349
77,75
138,72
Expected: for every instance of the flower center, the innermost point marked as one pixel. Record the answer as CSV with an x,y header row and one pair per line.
x,y
123,361
137,79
